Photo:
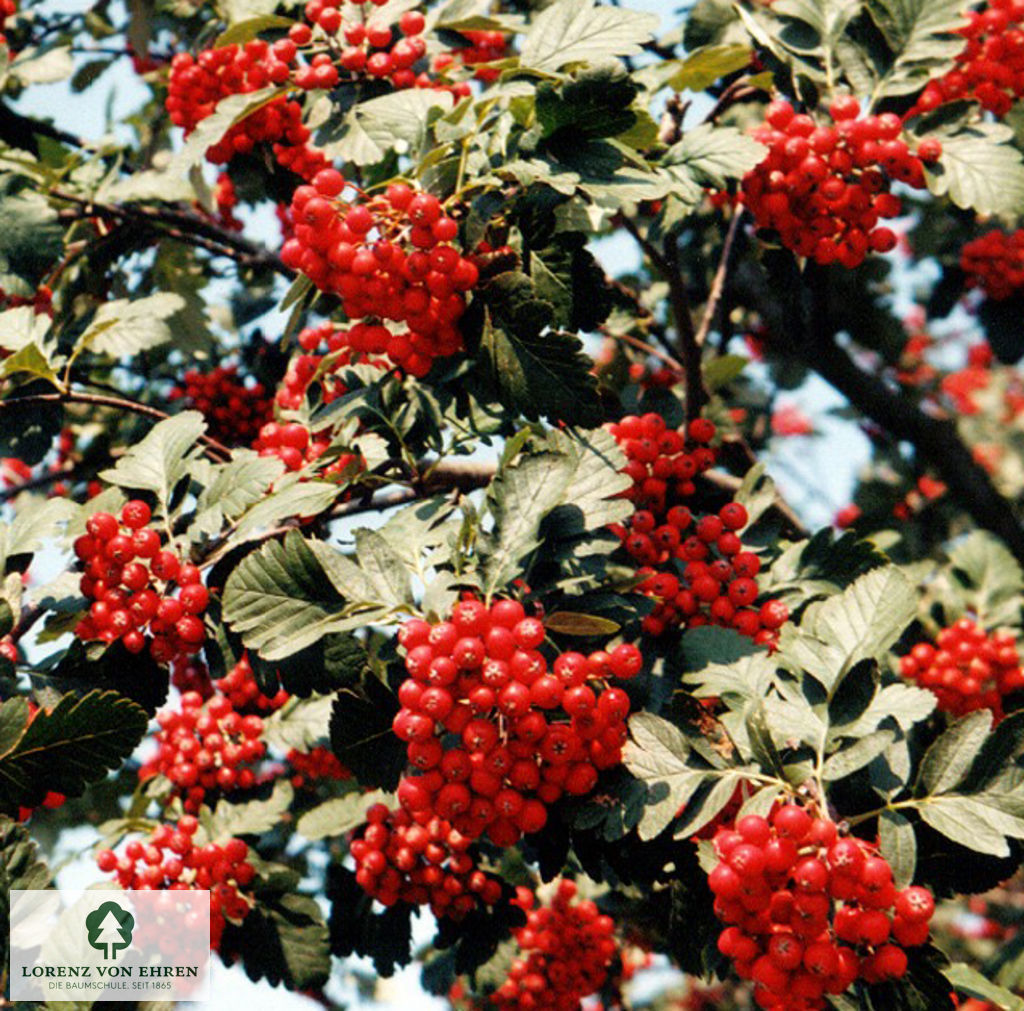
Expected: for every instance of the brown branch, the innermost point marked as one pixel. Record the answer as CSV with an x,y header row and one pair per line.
x,y
184,226
41,481
667,264
936,440
718,281
213,448
736,92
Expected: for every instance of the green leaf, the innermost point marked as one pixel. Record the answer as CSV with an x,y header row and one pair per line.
x,y
921,35
125,327
972,822
303,498
861,623
992,576
656,754
66,748
708,64
251,28
339,815
898,844
31,359
232,488
519,498
280,599
31,240
712,155
574,623
947,761
161,459
384,567
251,818
857,755
27,430
20,868
979,171
23,326
361,734
578,31
43,65
971,983
301,724
31,528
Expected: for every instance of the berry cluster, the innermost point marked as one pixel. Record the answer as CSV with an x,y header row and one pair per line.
x,y
129,577
240,688
170,858
695,565
494,733
824,189
197,84
387,257
370,48
567,950
809,912
484,47
309,768
226,200
205,747
327,351
994,262
967,669
293,444
234,410
419,858
990,68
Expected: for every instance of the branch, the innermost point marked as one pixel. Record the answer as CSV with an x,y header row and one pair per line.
x,y
41,481
185,226
213,448
936,440
718,282
667,264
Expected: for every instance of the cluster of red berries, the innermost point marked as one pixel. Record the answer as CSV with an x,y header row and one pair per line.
x,y
676,549
994,262
226,200
197,84
128,576
312,767
240,688
234,410
387,257
990,68
295,446
567,950
967,669
370,47
494,733
419,858
825,188
327,351
205,747
484,47
809,912
171,859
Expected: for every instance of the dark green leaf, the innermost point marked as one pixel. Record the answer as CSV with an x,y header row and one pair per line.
x,y
898,844
361,734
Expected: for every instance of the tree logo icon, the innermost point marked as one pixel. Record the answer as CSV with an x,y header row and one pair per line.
x,y
109,928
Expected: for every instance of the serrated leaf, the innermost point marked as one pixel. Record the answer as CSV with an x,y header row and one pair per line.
x,y
993,578
898,844
968,981
972,822
922,37
304,498
384,567
713,155
708,64
161,459
301,724
252,817
20,868
979,171
31,528
339,815
30,360
905,704
361,734
280,599
31,240
858,754
519,498
578,31
125,327
74,744
656,754
21,327
234,487
251,28
861,623
947,761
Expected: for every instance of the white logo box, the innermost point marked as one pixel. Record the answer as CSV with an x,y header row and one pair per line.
x,y
107,944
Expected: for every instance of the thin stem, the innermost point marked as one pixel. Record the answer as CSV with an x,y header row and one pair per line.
x,y
213,448
718,282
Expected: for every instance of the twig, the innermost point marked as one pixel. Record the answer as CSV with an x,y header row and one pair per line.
x,y
718,282
735,92
213,448
667,264
41,481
